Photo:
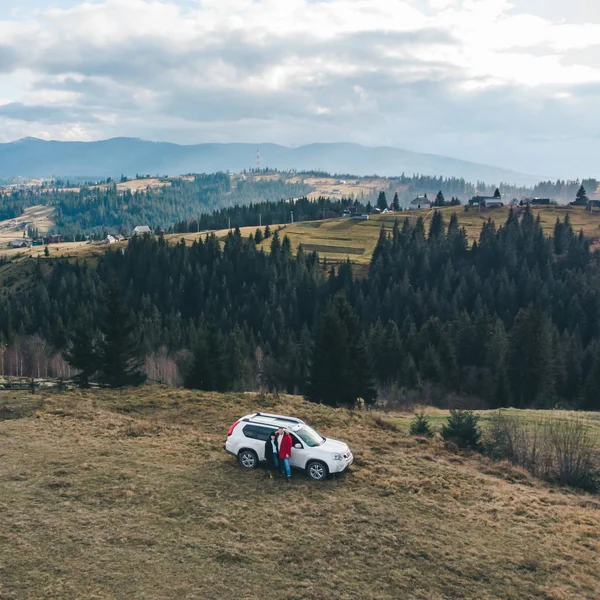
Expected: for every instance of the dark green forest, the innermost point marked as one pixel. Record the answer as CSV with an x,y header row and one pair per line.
x,y
512,320
96,210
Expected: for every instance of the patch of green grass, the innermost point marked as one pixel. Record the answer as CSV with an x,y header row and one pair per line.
x,y
439,417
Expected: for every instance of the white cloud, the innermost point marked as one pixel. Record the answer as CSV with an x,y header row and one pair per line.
x,y
444,76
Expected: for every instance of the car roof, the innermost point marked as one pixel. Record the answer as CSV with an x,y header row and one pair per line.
x,y
273,420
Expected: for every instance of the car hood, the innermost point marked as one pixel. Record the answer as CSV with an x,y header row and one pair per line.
x,y
331,445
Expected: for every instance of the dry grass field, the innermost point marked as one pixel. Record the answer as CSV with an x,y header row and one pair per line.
x,y
130,495
37,216
342,188
340,239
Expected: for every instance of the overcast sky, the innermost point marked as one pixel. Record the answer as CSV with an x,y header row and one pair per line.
x,y
511,83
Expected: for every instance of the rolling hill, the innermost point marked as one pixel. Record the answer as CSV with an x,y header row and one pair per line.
x,y
130,494
347,238
31,157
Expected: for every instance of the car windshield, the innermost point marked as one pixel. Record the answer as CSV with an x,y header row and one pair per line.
x,y
309,436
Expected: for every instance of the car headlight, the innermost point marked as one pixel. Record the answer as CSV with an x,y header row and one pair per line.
x,y
337,456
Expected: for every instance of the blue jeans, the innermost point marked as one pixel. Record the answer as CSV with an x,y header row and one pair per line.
x,y
275,463
285,466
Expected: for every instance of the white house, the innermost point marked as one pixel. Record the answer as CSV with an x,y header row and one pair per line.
x,y
421,202
109,239
142,230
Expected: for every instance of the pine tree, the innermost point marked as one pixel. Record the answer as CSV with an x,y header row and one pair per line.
x,y
439,199
529,359
581,196
396,202
267,232
436,227
82,353
497,193
340,369
119,364
208,370
382,201
591,396
258,236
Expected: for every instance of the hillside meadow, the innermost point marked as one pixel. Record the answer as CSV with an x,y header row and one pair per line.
x,y
347,238
129,494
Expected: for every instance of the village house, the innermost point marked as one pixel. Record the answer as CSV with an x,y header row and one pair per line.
x,y
421,202
486,201
142,230
54,239
19,244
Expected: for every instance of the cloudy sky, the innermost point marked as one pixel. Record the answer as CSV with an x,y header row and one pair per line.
x,y
514,83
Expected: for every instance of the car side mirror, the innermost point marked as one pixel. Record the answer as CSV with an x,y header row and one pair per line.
x,y
299,446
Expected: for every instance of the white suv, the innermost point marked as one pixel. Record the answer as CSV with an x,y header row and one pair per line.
x,y
313,453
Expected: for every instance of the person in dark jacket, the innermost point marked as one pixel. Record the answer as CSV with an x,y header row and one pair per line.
x,y
272,454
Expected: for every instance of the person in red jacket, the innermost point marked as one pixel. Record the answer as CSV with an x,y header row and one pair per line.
x,y
285,453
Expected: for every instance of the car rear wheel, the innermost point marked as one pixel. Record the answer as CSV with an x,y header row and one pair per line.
x,y
316,470
248,459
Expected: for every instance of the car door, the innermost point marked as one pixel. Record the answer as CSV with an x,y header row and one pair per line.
x,y
299,454
256,436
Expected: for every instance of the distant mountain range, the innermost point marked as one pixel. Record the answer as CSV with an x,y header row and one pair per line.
x,y
32,157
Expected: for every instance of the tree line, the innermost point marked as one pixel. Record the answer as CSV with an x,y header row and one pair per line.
x,y
512,319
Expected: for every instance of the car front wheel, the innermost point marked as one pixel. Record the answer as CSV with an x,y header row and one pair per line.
x,y
248,459
316,470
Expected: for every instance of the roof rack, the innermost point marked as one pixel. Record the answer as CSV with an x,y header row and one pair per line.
x,y
279,417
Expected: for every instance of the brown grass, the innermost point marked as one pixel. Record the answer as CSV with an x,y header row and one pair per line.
x,y
131,495
347,238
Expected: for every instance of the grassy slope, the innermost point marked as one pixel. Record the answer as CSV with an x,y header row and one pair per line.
x,y
438,417
357,239
131,495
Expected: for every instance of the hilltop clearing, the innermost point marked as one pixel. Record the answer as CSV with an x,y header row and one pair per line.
x,y
130,494
354,239
39,217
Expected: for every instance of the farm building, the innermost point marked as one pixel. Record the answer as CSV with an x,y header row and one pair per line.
x,y
481,200
493,203
19,244
142,230
54,239
421,202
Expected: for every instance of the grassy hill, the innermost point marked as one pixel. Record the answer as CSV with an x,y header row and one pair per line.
x,y
340,239
131,495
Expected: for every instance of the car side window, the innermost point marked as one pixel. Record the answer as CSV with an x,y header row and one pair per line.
x,y
263,433
295,440
257,433
250,431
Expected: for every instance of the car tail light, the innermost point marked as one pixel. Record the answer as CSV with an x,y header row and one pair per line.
x,y
232,428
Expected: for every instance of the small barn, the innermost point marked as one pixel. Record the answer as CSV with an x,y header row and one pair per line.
x,y
421,202
142,230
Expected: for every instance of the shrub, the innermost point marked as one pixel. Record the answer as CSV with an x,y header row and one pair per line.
x,y
462,428
556,449
421,425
